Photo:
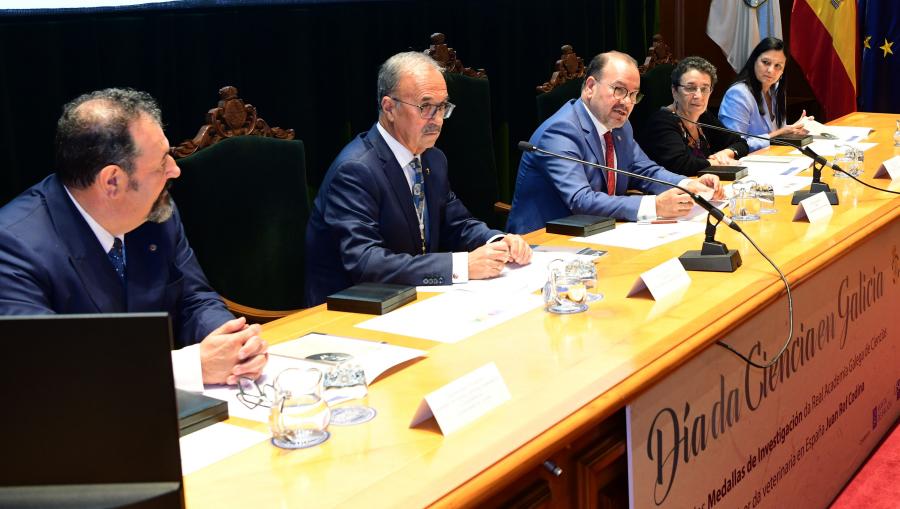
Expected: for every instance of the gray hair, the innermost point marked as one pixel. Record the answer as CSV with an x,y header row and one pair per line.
x,y
696,64
392,70
598,63
93,132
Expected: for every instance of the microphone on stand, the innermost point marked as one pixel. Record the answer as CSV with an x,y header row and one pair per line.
x,y
528,147
714,256
819,162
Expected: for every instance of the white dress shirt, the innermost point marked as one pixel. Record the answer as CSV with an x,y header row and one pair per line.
x,y
185,361
404,157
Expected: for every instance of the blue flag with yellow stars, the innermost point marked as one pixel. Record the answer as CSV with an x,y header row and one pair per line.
x,y
878,90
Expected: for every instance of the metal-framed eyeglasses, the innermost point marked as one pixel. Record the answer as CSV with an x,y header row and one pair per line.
x,y
692,89
253,395
620,93
428,110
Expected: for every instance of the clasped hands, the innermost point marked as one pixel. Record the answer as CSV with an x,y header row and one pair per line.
x,y
488,260
232,351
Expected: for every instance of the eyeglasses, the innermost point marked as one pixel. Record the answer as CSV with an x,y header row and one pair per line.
x,y
692,89
428,110
621,93
253,395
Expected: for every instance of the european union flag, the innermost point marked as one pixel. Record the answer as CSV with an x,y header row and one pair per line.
x,y
881,55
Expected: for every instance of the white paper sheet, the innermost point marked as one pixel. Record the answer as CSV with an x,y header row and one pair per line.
x,y
829,148
765,166
454,316
374,357
698,213
644,236
215,443
514,278
843,133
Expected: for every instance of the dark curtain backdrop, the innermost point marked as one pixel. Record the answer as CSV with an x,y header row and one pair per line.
x,y
307,67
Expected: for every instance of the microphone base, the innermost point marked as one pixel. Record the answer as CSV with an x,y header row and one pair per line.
x,y
815,188
714,257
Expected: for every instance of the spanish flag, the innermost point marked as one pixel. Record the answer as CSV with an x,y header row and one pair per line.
x,y
825,44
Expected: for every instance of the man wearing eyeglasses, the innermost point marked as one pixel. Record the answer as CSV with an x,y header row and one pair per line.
x,y
385,212
595,128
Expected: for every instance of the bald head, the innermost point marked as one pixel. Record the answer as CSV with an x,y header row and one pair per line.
x,y
598,63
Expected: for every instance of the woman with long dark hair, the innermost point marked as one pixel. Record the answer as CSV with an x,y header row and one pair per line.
x,y
756,102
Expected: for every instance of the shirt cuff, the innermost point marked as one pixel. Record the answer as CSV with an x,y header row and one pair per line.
x,y
460,267
647,209
187,369
495,237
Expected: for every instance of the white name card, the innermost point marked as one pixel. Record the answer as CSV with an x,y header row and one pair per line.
x,y
814,208
890,168
464,400
665,279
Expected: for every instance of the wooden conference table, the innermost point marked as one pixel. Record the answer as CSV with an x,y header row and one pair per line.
x,y
569,376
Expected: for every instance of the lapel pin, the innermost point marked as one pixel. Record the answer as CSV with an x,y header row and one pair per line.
x,y
427,171
152,248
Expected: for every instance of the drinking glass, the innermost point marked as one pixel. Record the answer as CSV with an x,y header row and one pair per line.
x,y
346,382
766,194
744,204
850,159
587,272
565,294
300,415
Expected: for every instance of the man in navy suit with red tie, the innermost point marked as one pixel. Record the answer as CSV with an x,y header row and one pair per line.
x,y
101,235
595,128
385,212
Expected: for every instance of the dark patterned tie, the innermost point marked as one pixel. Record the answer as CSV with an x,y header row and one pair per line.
x,y
117,258
418,192
611,162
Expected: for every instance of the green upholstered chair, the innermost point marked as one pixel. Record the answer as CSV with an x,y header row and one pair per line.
x,y
564,84
244,203
548,103
467,136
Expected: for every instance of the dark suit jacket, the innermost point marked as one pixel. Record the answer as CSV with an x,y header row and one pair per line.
x,y
363,225
51,262
550,188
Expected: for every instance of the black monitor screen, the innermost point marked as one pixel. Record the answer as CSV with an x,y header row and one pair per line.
x,y
90,400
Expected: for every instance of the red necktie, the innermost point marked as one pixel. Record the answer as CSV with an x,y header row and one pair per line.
x,y
611,162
